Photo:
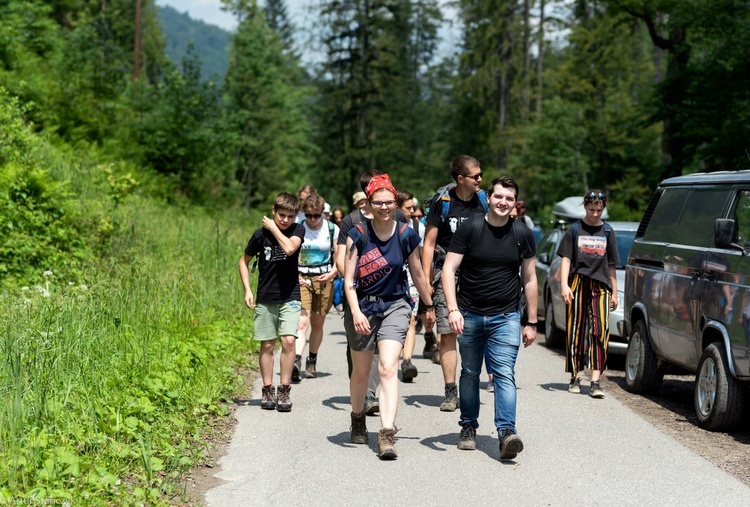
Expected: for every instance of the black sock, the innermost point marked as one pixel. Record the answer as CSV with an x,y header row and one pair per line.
x,y
451,384
297,358
313,356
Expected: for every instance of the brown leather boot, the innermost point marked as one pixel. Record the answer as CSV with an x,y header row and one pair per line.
x,y
359,428
386,447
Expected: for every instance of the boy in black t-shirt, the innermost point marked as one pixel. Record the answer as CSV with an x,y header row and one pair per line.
x,y
277,308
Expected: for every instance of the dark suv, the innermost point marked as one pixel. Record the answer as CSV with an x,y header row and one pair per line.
x,y
687,293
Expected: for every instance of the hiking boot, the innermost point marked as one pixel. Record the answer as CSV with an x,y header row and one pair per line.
x,y
359,428
596,391
510,444
575,386
490,385
386,449
418,326
408,371
436,354
429,345
268,399
450,403
283,402
296,369
467,440
310,371
372,406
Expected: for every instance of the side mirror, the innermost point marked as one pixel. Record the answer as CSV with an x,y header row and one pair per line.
x,y
544,258
725,230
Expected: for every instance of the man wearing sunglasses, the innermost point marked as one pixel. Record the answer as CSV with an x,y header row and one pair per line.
x,y
463,203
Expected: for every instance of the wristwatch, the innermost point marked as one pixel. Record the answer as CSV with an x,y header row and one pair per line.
x,y
532,324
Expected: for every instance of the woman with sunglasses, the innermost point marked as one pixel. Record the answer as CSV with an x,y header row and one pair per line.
x,y
380,307
589,288
317,271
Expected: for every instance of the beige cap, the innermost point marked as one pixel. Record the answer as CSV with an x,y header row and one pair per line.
x,y
358,196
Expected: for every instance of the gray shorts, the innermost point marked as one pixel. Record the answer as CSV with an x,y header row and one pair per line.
x,y
441,307
393,325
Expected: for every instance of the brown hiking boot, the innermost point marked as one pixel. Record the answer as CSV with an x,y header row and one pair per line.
x,y
268,398
310,370
284,403
386,449
296,370
359,428
436,354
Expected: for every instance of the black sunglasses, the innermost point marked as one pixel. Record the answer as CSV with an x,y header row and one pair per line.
x,y
593,196
313,215
474,177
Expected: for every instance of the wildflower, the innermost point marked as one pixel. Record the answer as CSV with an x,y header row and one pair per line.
x,y
83,287
26,301
47,274
25,289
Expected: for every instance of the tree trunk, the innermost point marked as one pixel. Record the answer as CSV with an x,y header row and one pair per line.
x,y
540,61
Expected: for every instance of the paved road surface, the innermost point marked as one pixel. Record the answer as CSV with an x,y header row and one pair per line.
x,y
577,449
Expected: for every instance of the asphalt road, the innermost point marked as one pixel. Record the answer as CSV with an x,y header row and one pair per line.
x,y
576,449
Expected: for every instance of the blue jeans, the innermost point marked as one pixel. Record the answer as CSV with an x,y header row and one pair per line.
x,y
497,339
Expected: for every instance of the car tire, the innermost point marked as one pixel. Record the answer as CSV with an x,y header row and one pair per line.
x,y
553,337
642,372
720,399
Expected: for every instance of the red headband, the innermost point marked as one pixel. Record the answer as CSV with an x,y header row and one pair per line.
x,y
379,182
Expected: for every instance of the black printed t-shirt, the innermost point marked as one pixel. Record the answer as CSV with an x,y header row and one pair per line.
x,y
593,253
458,212
489,281
278,281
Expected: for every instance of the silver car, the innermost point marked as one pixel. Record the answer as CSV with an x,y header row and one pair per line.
x,y
552,310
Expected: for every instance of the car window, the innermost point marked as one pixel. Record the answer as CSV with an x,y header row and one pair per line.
x,y
742,216
624,242
661,227
696,226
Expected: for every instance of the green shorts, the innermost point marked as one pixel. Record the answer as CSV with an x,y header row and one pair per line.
x,y
273,320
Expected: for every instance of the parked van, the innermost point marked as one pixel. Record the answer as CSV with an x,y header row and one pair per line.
x,y
687,293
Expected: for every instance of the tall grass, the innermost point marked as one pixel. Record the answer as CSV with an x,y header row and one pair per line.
x,y
106,386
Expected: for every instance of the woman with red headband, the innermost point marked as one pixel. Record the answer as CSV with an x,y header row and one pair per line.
x,y
380,307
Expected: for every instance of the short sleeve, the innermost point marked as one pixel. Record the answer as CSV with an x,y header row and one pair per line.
x,y
356,237
346,226
460,242
528,248
613,255
566,245
255,245
413,239
433,217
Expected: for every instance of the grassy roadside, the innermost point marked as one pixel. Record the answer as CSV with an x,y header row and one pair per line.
x,y
106,386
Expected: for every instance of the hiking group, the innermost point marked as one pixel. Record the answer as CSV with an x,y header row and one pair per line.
x,y
395,270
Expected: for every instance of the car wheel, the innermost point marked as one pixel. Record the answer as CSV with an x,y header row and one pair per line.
x,y
553,337
642,372
720,398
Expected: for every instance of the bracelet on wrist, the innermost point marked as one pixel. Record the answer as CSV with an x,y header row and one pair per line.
x,y
430,307
454,310
532,324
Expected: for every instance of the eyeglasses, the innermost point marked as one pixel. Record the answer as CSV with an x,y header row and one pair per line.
x,y
414,215
312,215
380,204
474,177
594,196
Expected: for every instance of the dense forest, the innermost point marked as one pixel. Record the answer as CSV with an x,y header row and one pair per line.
x,y
129,183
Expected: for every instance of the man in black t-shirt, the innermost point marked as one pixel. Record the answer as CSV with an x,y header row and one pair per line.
x,y
464,202
278,306
491,250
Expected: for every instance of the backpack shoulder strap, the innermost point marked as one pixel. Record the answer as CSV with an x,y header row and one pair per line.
x,y
330,235
518,233
482,195
477,227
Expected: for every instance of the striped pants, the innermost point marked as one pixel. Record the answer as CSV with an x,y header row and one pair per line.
x,y
588,325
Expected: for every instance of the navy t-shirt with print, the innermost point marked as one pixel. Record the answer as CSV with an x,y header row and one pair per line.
x,y
278,281
381,269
